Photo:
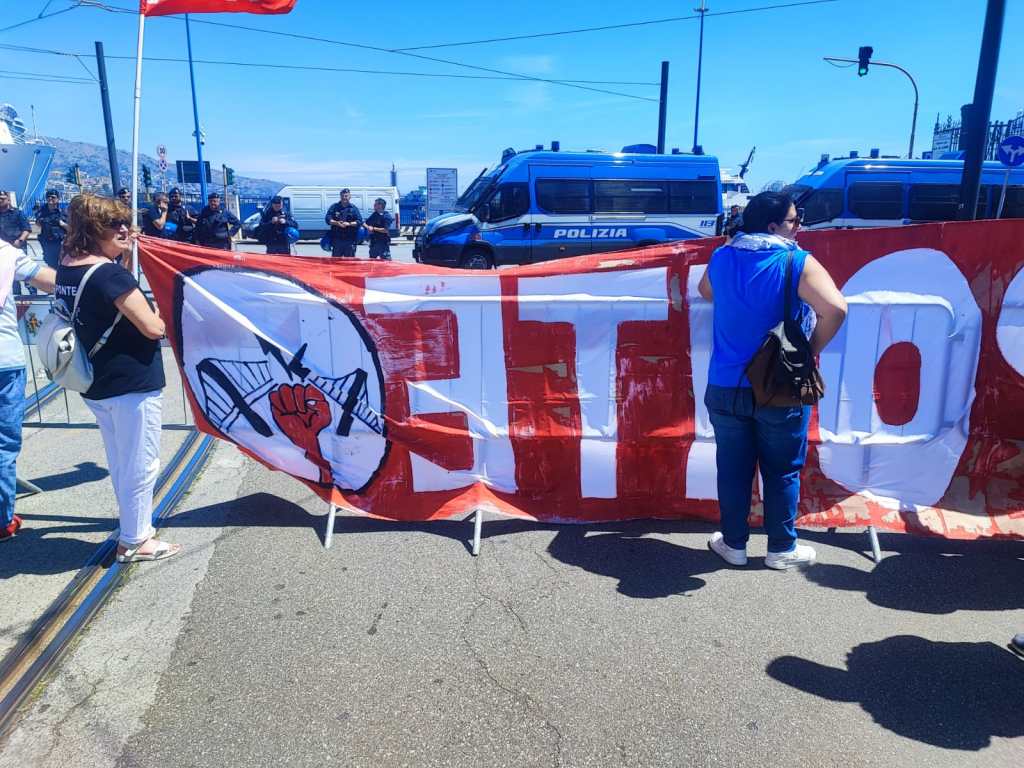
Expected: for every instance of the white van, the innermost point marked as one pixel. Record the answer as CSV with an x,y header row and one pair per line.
x,y
309,205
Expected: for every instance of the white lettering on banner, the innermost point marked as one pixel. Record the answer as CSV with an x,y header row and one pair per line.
x,y
701,471
595,232
479,391
595,304
913,463
1010,328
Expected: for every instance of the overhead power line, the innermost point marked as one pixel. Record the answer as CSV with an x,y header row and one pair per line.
x,y
609,27
380,49
42,15
303,67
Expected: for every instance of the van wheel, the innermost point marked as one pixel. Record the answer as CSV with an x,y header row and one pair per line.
x,y
476,258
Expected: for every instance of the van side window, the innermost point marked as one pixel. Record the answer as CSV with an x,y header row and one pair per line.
x,y
1013,208
876,199
564,195
934,202
509,201
822,205
693,197
640,196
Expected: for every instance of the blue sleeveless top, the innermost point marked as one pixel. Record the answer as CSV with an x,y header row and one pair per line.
x,y
747,278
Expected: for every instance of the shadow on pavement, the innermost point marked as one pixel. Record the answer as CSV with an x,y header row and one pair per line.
x,y
43,551
645,567
949,695
84,472
935,576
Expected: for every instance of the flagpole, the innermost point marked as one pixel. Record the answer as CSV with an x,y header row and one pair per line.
x,y
195,114
135,143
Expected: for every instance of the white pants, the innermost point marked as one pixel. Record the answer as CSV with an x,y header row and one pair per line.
x,y
130,425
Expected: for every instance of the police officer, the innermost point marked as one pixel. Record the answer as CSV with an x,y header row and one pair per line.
x,y
14,227
344,219
378,224
274,225
124,196
216,226
181,217
154,218
53,223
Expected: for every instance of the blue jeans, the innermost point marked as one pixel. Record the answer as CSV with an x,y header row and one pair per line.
x,y
12,412
746,437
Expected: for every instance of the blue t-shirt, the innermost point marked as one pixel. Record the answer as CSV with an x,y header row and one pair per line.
x,y
747,284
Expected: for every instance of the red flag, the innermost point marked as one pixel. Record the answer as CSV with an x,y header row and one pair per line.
x,y
166,7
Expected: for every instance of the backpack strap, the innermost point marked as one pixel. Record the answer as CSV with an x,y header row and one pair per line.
x,y
787,286
74,312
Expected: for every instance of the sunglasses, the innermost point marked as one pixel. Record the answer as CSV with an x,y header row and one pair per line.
x,y
796,219
118,223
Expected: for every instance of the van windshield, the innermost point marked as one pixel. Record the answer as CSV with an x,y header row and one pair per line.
x,y
476,190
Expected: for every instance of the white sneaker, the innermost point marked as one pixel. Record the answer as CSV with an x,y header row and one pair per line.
x,y
801,555
732,556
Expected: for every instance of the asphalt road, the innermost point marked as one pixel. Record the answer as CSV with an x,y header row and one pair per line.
x,y
622,645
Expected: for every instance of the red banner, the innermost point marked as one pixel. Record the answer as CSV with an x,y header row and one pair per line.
x,y
167,7
573,390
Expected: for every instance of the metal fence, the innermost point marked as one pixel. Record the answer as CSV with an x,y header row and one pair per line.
x,y
946,136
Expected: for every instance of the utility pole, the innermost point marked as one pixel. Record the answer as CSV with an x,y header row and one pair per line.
x,y
863,63
108,122
195,115
697,149
662,107
976,125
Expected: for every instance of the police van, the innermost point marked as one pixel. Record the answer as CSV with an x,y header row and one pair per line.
x,y
887,192
308,205
541,204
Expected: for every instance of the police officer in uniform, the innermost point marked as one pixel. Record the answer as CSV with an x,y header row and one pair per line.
x,y
124,196
53,223
216,226
154,218
14,227
181,217
274,225
378,224
344,219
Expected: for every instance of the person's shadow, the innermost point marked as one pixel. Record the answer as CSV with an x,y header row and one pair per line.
x,y
949,695
937,577
645,567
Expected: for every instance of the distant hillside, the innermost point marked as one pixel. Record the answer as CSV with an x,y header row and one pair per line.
x,y
92,160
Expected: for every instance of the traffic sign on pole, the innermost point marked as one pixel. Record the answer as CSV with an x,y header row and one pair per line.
x,y
1010,153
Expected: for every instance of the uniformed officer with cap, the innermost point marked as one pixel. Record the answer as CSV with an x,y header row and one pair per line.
x,y
344,219
181,217
216,225
274,225
124,196
378,224
53,223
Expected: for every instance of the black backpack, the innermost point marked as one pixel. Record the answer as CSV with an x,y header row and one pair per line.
x,y
783,372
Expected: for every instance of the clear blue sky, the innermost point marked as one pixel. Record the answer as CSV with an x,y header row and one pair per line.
x,y
764,82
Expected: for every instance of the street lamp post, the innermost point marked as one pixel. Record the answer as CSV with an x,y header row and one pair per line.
x,y
700,60
913,123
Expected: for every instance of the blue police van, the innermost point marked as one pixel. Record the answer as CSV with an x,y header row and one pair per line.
x,y
886,192
541,204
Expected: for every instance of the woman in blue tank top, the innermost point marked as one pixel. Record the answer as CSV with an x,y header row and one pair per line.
x,y
745,282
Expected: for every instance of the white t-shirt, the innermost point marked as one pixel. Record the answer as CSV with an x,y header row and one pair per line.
x,y
12,351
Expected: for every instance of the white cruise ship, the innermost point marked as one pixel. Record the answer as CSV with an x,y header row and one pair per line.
x,y
24,162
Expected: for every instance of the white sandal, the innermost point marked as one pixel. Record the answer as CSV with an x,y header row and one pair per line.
x,y
163,550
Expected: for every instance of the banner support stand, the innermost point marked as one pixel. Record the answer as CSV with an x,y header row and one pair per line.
x,y
332,511
876,550
478,524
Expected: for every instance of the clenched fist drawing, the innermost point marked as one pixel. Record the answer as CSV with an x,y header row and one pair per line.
x,y
301,411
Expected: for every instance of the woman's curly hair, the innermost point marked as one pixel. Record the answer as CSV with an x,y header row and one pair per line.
x,y
90,219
